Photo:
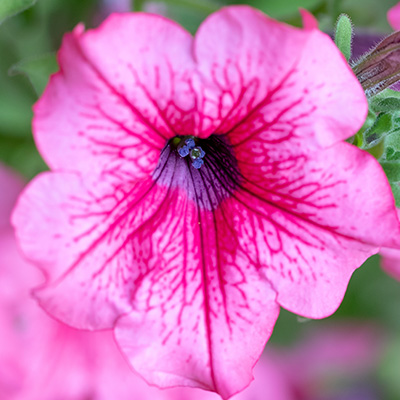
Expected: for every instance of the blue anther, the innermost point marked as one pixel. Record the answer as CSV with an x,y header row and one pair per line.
x,y
190,143
197,163
183,151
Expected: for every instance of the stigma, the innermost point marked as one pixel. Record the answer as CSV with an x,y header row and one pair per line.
x,y
187,147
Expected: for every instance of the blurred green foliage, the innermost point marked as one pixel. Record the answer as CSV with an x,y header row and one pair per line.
x,y
28,42
8,8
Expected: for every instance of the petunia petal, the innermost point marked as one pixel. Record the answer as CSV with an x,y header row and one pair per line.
x,y
200,308
191,308
308,266
325,188
309,21
294,82
308,230
108,109
88,250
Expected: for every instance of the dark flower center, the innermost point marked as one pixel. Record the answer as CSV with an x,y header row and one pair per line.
x,y
205,168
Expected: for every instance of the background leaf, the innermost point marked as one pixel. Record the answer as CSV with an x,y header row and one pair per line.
x,y
8,8
37,70
283,9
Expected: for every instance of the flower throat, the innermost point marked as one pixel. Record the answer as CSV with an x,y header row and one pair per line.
x,y
205,168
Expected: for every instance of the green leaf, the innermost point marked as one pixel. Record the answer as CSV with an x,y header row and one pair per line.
x,y
282,9
8,8
380,128
396,193
377,150
137,5
392,147
37,70
390,162
344,35
21,154
392,170
207,6
388,104
392,154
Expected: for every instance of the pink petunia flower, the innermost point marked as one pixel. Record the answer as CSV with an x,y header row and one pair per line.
x,y
41,358
393,17
197,185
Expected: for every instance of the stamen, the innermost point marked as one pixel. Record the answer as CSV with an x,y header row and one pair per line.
x,y
186,146
197,163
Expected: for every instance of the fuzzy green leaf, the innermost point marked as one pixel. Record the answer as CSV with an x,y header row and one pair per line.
x,y
344,35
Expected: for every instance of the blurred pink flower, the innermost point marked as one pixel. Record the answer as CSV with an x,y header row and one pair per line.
x,y
189,256
41,358
335,362
393,17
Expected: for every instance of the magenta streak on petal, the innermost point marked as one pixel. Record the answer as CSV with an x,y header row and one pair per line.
x,y
126,130
134,110
211,273
277,130
128,209
198,193
256,108
148,95
85,235
270,124
204,192
202,199
132,232
216,173
206,297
